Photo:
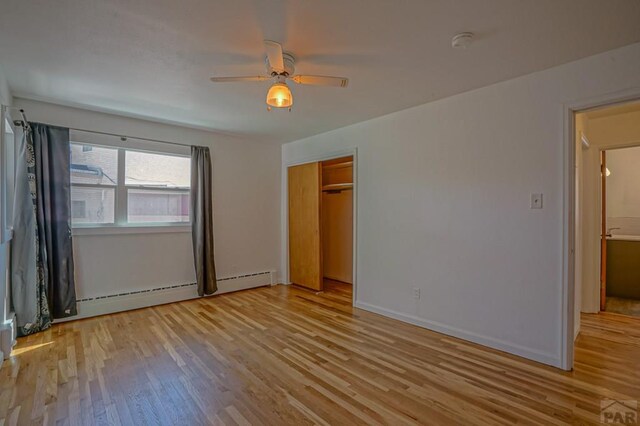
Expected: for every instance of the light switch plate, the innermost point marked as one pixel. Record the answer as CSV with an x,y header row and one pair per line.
x,y
416,293
536,201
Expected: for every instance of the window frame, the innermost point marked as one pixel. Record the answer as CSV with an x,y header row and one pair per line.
x,y
121,224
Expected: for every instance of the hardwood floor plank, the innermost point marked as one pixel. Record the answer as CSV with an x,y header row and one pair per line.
x,y
284,355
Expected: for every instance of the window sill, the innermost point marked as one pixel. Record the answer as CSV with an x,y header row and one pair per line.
x,y
131,229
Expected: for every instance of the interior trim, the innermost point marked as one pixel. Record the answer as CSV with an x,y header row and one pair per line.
x,y
490,342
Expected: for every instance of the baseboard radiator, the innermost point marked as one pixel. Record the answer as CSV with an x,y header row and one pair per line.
x,y
108,304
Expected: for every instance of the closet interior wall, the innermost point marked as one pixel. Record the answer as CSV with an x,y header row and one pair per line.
x,y
337,219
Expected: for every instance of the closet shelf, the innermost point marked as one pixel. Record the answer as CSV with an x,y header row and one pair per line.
x,y
337,186
338,165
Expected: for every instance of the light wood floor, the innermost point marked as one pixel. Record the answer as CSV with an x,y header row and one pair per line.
x,y
282,355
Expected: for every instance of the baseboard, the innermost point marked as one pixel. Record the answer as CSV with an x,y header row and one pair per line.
x,y
501,345
329,277
103,305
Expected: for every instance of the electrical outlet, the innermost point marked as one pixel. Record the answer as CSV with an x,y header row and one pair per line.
x,y
536,201
416,293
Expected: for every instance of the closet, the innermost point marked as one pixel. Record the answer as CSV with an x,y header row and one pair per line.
x,y
337,220
321,222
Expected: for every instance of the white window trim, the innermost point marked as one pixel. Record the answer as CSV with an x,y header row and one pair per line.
x,y
110,229
121,224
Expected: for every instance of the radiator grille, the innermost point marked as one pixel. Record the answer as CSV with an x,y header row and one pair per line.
x,y
129,293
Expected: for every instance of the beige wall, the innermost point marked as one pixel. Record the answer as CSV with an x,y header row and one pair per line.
x,y
615,130
581,123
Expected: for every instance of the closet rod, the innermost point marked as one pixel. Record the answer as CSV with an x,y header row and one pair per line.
x,y
122,137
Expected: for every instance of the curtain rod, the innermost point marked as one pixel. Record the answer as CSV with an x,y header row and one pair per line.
x,y
24,122
122,137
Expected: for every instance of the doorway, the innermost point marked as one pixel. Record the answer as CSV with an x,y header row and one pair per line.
x,y
607,207
620,249
321,225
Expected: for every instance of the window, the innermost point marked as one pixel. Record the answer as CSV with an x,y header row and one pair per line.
x,y
145,205
94,179
79,209
157,187
157,170
120,186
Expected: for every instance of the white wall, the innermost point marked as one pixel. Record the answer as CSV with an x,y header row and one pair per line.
x,y
443,205
246,198
5,93
4,283
7,100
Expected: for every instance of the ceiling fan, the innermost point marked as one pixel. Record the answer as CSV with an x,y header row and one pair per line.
x,y
280,68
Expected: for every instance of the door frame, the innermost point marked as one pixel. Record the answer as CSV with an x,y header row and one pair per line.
x,y
285,210
603,229
569,208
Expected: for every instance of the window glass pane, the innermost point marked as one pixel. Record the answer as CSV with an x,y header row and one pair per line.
x,y
94,165
148,205
157,170
92,205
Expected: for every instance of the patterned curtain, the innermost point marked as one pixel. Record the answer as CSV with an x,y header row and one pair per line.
x,y
43,284
28,285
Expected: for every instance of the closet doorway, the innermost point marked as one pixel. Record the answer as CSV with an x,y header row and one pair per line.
x,y
321,225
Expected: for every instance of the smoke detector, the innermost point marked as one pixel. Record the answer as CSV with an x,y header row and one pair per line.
x,y
461,40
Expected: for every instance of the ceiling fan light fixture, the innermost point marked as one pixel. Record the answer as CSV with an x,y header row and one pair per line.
x,y
280,68
279,96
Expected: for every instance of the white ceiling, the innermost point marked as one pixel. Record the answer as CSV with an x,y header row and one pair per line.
x,y
153,58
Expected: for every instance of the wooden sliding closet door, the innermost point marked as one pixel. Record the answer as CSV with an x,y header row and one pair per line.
x,y
305,243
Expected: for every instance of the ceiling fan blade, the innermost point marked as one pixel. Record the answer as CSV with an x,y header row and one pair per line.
x,y
239,79
274,53
320,80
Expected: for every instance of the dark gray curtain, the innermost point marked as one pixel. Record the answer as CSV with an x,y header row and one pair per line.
x,y
53,216
202,220
42,282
